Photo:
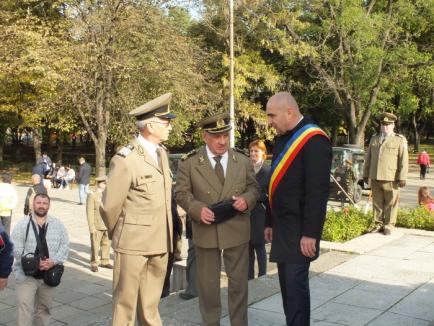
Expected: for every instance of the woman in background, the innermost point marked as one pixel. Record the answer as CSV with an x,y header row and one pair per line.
x,y
258,154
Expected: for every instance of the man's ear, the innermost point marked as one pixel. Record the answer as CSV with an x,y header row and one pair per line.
x,y
150,128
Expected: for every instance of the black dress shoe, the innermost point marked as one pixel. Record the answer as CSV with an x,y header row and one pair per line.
x,y
108,266
186,296
377,228
94,269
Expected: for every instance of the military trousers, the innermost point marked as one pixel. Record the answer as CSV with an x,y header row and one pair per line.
x,y
137,285
385,200
236,261
99,241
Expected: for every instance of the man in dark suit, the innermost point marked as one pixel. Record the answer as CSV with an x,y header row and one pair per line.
x,y
298,201
210,175
83,178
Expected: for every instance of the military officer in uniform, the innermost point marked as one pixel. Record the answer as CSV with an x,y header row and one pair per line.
x,y
98,231
210,175
136,207
386,166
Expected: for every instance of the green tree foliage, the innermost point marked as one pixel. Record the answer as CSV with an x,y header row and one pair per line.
x,y
125,53
349,49
32,64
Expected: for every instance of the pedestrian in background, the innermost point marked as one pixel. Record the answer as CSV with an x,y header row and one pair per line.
x,y
8,201
47,164
258,155
34,296
69,177
424,163
386,167
6,257
136,208
191,269
36,188
298,195
99,240
83,178
177,232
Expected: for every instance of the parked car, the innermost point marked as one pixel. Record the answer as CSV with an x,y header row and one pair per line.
x,y
173,163
347,169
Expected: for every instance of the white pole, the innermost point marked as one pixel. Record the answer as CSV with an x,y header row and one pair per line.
x,y
231,72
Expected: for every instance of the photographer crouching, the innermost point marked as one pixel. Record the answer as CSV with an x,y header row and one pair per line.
x,y
41,247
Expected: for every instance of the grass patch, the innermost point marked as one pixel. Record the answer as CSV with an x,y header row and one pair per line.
x,y
349,223
346,224
415,218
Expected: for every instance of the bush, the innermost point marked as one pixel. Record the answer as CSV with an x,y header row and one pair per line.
x,y
415,218
346,224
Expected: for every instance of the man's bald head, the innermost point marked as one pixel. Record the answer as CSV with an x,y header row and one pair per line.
x,y
283,101
283,112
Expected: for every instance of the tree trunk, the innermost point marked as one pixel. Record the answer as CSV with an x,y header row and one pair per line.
x,y
100,145
416,133
37,143
1,151
334,135
59,154
360,137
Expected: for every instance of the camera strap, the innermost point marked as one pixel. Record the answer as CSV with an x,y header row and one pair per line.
x,y
38,240
27,234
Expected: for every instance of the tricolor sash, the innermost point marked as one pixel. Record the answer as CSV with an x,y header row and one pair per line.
x,y
288,154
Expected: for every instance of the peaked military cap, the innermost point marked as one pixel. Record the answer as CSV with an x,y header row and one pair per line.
x,y
216,124
101,179
158,107
387,118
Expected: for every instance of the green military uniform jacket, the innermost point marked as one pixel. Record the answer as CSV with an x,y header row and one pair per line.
x,y
136,204
197,185
94,219
387,160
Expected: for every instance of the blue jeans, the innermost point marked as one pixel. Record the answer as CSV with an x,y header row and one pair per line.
x,y
294,284
83,190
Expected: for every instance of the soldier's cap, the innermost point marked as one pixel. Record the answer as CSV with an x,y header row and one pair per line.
x,y
101,179
158,107
216,124
387,118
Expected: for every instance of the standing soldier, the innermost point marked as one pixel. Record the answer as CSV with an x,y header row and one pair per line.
x,y
136,207
386,166
98,231
217,188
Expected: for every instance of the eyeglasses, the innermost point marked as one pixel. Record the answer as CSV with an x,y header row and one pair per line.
x,y
165,123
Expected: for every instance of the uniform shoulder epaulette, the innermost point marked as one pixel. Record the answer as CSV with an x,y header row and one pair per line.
x,y
125,151
190,153
163,147
399,135
242,151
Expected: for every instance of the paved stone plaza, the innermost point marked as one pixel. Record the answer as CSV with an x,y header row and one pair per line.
x,y
371,280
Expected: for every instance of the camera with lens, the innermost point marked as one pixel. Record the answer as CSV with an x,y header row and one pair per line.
x,y
30,263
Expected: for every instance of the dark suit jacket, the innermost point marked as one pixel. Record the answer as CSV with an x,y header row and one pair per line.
x,y
300,201
84,174
6,254
257,216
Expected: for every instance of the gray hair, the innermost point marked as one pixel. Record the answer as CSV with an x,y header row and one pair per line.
x,y
141,124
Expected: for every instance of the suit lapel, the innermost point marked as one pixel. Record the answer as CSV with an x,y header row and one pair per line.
x,y
204,167
148,159
231,174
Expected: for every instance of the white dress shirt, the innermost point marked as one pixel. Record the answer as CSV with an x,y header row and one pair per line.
x,y
223,161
